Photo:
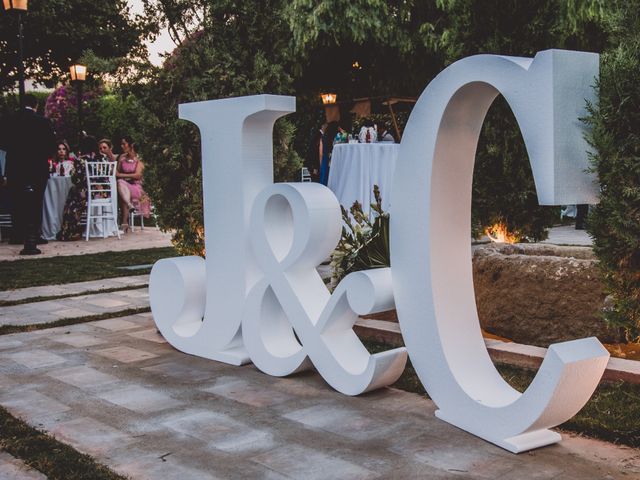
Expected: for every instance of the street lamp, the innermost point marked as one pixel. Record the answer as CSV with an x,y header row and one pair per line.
x,y
78,76
18,6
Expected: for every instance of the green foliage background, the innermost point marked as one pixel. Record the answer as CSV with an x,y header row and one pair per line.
x,y
305,47
237,52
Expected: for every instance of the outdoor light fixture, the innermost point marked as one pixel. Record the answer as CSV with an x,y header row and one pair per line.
x,y
328,98
78,76
15,5
78,72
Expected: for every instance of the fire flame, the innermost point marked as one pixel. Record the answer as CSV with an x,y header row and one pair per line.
x,y
499,233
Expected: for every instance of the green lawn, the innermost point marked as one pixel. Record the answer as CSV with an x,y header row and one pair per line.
x,y
77,268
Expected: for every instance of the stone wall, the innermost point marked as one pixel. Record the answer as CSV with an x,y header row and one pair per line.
x,y
537,294
540,294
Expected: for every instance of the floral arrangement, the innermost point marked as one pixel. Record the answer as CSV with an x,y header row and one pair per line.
x,y
365,241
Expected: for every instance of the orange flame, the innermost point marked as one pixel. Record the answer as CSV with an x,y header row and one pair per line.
x,y
499,233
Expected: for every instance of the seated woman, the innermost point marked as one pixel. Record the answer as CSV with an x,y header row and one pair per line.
x,y
106,149
63,161
76,203
129,175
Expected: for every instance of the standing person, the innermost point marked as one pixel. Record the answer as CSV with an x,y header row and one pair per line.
x,y
314,156
29,141
327,148
129,175
106,149
582,211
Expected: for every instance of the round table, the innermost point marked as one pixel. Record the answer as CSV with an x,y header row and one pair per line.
x,y
357,167
55,196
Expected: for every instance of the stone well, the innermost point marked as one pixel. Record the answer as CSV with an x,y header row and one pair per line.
x,y
537,294
540,294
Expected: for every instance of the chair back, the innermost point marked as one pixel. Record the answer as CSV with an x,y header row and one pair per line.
x,y
101,180
305,176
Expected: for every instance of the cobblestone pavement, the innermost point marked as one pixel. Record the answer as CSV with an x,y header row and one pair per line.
x,y
13,469
115,390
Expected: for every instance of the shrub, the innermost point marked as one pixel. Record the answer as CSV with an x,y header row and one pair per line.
x,y
242,55
615,222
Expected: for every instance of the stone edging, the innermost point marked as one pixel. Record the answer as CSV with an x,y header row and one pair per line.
x,y
516,354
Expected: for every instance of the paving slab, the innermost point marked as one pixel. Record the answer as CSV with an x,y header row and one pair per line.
x,y
568,235
149,411
73,307
75,288
12,468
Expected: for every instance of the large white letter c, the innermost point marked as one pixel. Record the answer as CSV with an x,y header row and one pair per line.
x,y
430,232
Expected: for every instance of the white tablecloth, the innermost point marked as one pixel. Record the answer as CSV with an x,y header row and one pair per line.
x,y
356,168
55,197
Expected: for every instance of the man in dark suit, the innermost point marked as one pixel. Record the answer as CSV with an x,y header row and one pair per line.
x,y
29,140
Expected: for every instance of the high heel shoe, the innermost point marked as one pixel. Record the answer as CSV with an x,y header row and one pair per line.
x,y
124,228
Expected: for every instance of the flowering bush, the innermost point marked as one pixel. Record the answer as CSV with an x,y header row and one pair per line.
x,y
62,109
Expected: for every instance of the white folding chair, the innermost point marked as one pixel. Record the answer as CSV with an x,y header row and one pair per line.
x,y
137,213
5,222
102,196
132,220
305,176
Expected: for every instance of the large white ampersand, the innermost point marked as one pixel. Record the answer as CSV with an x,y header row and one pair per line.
x,y
295,227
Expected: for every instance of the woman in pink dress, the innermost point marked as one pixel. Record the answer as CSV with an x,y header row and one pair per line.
x,y
129,175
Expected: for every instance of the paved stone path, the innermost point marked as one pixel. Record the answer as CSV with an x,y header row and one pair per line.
x,y
115,390
72,307
13,469
74,288
568,235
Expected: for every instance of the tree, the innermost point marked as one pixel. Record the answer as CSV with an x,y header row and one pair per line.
x,y
503,188
614,223
57,32
241,49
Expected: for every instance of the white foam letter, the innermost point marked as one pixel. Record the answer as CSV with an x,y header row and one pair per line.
x,y
431,228
197,304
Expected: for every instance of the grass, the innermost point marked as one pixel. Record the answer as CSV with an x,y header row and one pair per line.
x,y
77,268
612,413
8,329
44,453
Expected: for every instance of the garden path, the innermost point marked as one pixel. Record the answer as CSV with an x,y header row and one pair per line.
x,y
13,469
